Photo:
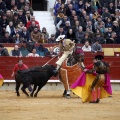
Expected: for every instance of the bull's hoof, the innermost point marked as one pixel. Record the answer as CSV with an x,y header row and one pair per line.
x,y
31,95
18,95
68,96
35,95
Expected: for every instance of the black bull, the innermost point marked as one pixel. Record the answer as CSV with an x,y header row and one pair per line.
x,y
38,76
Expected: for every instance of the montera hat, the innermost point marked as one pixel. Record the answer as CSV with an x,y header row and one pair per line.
x,y
61,37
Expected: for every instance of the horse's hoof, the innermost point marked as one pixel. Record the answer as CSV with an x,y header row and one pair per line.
x,y
64,95
68,96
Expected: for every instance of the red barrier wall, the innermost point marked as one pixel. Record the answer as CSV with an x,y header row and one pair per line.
x,y
7,64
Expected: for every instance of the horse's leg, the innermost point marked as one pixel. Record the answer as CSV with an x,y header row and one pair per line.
x,y
17,88
34,88
67,89
23,89
40,86
64,93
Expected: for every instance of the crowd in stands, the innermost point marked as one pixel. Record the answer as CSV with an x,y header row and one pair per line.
x,y
18,24
88,20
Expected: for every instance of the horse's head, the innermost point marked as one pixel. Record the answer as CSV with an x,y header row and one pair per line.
x,y
78,54
76,57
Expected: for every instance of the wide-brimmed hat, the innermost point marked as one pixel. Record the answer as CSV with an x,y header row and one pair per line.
x,y
99,57
61,37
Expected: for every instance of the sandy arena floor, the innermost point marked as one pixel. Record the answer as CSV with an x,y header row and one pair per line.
x,y
49,105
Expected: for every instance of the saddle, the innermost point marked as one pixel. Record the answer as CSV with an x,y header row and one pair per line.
x,y
70,73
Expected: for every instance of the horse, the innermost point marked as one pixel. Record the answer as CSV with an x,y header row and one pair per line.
x,y
71,69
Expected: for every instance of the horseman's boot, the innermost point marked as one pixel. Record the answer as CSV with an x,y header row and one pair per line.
x,y
57,69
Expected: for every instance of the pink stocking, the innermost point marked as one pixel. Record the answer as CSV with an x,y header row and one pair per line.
x,y
93,95
98,92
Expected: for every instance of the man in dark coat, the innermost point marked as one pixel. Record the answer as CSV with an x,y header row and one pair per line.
x,y
3,51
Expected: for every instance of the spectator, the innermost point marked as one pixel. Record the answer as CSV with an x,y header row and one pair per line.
x,y
67,26
22,17
108,33
27,7
21,3
100,39
90,26
111,9
101,26
20,26
9,15
60,32
69,10
51,52
71,35
112,39
33,54
56,7
3,23
116,27
96,47
31,20
45,33
106,14
18,39
25,35
28,18
13,3
108,23
10,28
59,17
16,20
80,34
14,9
3,51
86,47
52,39
76,26
35,35
2,6
41,50
16,52
97,23
32,26
62,8
86,38
7,38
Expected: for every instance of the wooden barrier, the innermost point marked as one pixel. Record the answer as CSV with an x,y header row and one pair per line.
x,y
7,64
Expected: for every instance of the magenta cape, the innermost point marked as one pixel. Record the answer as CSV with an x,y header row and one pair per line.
x,y
1,77
82,79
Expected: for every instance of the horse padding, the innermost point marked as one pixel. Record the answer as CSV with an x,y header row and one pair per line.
x,y
70,72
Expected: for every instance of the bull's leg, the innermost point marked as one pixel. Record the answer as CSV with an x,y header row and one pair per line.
x,y
40,86
35,86
17,88
23,89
